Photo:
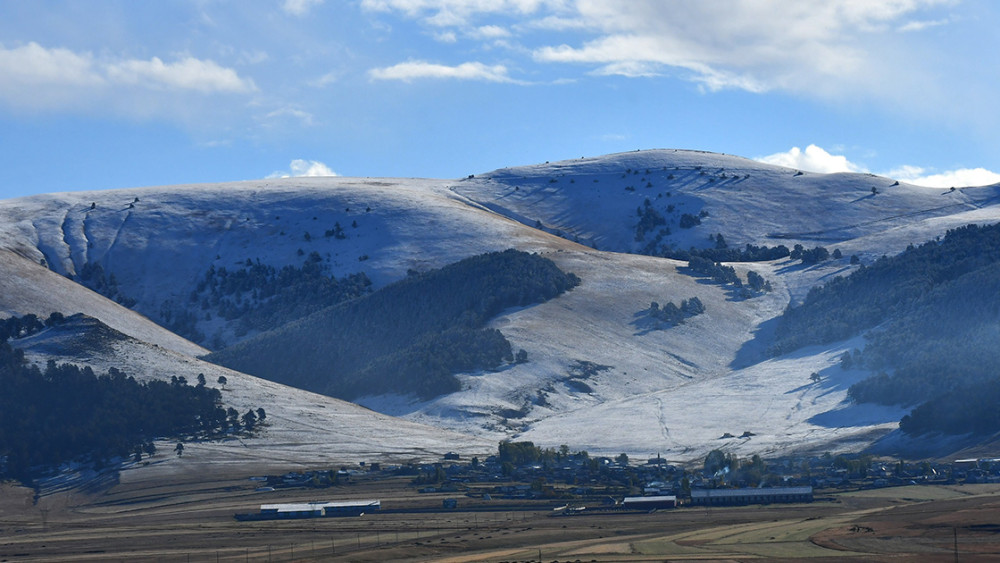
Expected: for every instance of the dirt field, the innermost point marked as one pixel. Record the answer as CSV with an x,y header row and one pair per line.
x,y
190,518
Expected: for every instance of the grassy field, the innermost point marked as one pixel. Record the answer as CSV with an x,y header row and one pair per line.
x,y
190,518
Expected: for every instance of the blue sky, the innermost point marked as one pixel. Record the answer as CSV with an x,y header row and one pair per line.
x,y
107,94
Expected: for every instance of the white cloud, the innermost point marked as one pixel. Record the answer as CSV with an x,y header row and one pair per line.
x,y
823,48
922,25
631,69
817,159
36,77
304,117
812,159
186,74
304,168
34,64
566,22
325,80
414,70
906,172
490,32
959,178
299,7
743,44
458,12
254,57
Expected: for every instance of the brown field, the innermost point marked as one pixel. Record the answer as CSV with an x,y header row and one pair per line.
x,y
190,518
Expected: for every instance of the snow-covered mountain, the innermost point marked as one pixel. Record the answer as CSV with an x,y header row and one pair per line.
x,y
595,199
601,375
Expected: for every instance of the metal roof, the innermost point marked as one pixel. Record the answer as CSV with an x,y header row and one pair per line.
x,y
291,507
708,493
317,506
661,498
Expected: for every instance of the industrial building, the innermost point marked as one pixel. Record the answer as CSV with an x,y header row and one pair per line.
x,y
729,497
312,510
649,503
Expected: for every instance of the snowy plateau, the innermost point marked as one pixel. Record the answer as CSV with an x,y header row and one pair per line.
x,y
679,392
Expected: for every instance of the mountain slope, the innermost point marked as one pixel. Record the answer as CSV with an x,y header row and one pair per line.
x,y
157,243
597,360
408,337
302,428
931,327
26,287
746,201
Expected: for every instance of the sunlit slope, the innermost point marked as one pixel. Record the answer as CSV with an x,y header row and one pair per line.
x,y
604,376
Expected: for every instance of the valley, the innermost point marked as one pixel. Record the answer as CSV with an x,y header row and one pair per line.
x,y
189,516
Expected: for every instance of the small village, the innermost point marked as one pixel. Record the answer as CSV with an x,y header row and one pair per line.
x,y
571,483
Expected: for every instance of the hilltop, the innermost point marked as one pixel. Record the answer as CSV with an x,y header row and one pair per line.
x,y
595,200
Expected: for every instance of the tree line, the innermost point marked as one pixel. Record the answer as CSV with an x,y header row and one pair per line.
x,y
674,314
938,340
65,412
408,337
848,305
92,276
724,275
940,356
724,253
257,297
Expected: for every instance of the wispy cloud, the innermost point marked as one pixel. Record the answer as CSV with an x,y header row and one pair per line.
x,y
299,7
643,56
325,80
304,168
446,36
630,69
186,74
414,70
459,12
922,25
490,32
613,137
303,117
